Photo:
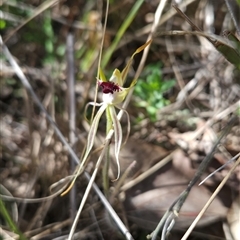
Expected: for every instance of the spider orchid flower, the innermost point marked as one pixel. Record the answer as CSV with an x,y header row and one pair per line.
x,y
113,95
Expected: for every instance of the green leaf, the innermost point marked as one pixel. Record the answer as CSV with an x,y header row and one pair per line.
x,y
49,46
232,54
2,24
150,92
121,31
61,50
4,212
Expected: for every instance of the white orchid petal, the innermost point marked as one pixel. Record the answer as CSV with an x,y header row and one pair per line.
x,y
90,141
93,104
108,98
116,97
128,124
93,130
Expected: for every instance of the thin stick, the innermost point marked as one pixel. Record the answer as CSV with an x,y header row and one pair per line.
x,y
157,17
231,5
148,173
217,170
219,39
187,233
72,111
87,191
91,184
100,58
178,203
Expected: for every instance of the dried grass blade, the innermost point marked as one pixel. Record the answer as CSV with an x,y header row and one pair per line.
x,y
126,69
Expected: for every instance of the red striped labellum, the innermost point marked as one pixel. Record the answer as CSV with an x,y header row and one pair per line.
x,y
109,87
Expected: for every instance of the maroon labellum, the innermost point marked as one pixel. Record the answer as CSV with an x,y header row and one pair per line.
x,y
109,87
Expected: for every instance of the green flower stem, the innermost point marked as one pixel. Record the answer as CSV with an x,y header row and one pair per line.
x,y
9,221
105,172
107,155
